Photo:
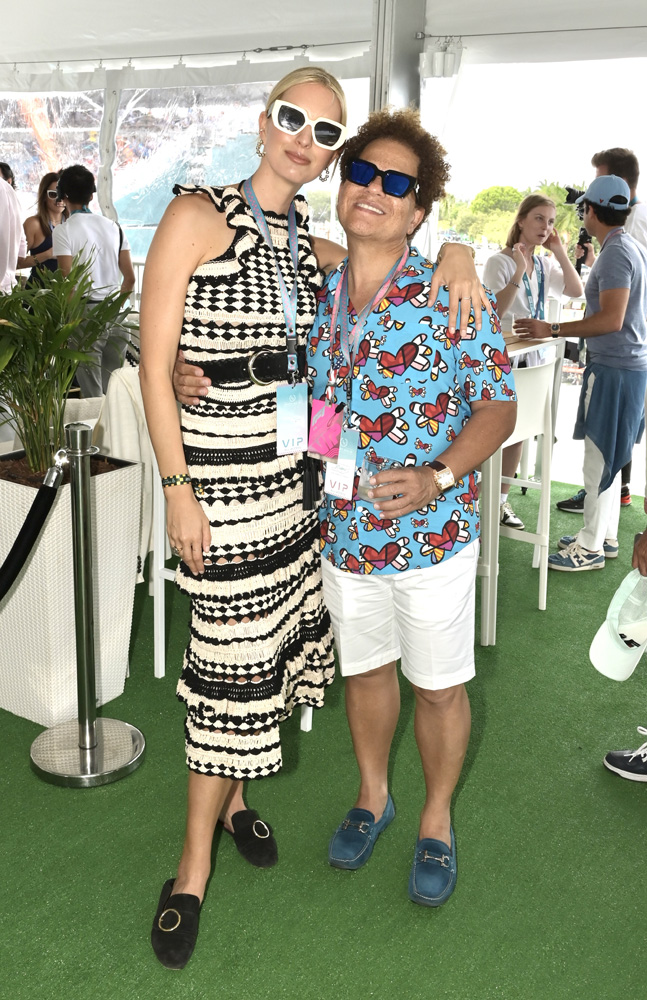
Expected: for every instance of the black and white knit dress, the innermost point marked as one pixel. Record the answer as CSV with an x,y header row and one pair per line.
x,y
261,639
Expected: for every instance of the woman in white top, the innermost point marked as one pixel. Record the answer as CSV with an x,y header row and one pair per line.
x,y
522,282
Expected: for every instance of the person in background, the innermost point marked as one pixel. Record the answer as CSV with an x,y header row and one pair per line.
x,y
102,242
12,238
610,415
7,173
623,163
521,282
632,764
40,227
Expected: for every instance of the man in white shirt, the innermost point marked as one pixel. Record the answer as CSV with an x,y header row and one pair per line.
x,y
102,242
12,236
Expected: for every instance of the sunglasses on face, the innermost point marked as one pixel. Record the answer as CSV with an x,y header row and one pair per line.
x,y
396,184
54,196
292,119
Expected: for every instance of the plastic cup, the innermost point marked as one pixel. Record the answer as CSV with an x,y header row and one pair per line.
x,y
371,467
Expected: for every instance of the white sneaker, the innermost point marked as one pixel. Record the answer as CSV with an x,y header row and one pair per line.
x,y
508,517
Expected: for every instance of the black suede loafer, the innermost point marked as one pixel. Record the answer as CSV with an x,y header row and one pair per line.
x,y
175,927
253,838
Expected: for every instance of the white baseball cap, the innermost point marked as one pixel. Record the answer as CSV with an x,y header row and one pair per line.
x,y
622,638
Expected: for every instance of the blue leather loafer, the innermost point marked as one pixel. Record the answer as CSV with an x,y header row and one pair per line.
x,y
433,874
354,839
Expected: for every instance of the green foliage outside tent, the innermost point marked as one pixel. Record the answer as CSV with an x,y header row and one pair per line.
x,y
490,214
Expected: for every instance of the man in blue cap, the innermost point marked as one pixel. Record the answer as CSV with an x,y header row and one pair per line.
x,y
610,414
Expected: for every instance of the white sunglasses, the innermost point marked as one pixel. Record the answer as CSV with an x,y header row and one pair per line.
x,y
292,119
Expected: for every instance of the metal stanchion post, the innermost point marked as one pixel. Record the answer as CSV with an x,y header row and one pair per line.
x,y
90,751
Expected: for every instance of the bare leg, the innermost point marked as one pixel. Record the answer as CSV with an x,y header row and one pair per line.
x,y
442,727
232,804
372,709
206,797
510,458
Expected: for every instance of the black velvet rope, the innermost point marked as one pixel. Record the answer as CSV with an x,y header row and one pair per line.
x,y
27,536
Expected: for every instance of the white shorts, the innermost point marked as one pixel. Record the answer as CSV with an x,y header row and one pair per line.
x,y
425,617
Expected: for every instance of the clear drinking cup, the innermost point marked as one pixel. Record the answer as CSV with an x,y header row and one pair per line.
x,y
371,467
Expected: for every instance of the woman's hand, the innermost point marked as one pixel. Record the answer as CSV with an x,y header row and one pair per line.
x,y
521,257
554,244
415,487
457,271
188,527
531,329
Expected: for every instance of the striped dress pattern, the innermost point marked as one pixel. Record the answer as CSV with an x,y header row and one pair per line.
x,y
260,635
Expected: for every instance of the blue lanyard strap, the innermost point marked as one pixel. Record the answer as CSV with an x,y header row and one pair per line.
x,y
538,311
289,299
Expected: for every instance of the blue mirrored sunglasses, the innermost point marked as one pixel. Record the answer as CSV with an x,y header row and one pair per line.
x,y
393,182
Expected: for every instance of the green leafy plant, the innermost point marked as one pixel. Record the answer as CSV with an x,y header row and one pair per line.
x,y
46,332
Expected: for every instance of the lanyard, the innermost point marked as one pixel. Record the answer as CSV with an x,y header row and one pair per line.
x,y
347,343
289,299
618,231
81,211
536,313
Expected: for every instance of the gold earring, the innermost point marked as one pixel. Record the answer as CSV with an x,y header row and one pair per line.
x,y
324,175
260,147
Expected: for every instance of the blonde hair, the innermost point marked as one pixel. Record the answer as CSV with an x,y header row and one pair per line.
x,y
309,74
525,208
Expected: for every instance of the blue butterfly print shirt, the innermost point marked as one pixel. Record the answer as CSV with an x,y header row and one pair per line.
x,y
412,388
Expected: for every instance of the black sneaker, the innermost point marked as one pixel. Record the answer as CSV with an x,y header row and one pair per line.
x,y
574,505
630,764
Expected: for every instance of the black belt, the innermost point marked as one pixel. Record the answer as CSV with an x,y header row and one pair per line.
x,y
262,367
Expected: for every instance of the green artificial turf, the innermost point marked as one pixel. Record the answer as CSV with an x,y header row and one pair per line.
x,y
552,875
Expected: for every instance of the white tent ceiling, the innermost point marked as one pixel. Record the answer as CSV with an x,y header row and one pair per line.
x,y
498,30
546,31
123,29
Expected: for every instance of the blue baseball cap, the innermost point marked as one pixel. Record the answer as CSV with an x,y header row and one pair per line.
x,y
608,191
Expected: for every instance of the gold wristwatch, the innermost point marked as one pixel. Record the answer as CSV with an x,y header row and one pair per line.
x,y
443,476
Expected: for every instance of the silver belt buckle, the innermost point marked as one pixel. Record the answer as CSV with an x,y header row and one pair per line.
x,y
250,368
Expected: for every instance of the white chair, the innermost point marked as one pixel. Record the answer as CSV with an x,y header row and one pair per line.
x,y
534,418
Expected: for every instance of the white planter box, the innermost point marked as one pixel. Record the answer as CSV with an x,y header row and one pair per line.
x,y
37,624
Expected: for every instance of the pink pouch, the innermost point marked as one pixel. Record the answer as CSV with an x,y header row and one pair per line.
x,y
325,430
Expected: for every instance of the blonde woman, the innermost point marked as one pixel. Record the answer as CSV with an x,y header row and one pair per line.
x,y
522,282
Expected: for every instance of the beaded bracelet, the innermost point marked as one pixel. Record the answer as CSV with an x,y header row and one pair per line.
x,y
516,284
176,480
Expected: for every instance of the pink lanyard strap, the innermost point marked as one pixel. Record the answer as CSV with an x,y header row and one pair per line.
x,y
345,345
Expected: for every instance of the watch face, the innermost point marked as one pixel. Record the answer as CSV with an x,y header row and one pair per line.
x,y
444,479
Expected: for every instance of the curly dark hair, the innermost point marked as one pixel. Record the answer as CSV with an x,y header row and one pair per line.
x,y
403,125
